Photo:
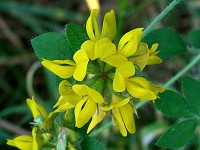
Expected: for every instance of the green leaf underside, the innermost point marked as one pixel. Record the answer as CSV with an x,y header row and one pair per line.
x,y
173,105
178,135
90,143
193,38
52,46
76,35
170,43
191,90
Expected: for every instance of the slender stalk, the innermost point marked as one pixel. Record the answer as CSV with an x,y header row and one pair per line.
x,y
160,17
167,84
183,71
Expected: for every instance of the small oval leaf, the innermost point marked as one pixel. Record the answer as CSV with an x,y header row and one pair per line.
x,y
76,35
177,135
191,90
90,143
52,46
193,38
173,105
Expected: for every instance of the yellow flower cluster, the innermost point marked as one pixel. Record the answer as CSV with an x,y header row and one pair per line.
x,y
103,81
111,88
41,132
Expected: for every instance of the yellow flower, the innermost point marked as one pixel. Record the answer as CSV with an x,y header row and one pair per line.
x,y
25,142
140,58
86,107
144,56
97,118
68,98
121,74
127,47
138,87
153,59
36,109
67,68
41,117
122,114
96,38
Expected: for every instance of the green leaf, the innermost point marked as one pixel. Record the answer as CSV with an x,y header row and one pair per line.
x,y
91,143
76,35
170,43
52,46
191,90
178,135
173,105
193,38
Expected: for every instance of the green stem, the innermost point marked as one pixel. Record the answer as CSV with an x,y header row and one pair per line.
x,y
160,17
183,71
167,84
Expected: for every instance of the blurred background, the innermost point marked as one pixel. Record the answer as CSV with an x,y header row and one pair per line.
x,y
21,75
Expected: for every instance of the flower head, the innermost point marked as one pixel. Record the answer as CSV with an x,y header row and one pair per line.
x,y
104,76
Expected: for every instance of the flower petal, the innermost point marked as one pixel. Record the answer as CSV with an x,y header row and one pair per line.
x,y
109,55
95,96
92,25
83,115
65,87
95,120
89,47
120,122
140,88
64,69
81,59
80,89
141,56
109,25
35,108
153,59
129,42
35,144
23,142
119,82
127,116
122,72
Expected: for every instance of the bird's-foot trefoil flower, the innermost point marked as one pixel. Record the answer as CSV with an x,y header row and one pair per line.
x,y
122,113
26,142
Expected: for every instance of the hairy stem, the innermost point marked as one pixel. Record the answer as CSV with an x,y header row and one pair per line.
x,y
160,17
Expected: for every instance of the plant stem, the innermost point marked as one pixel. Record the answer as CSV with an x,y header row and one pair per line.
x,y
167,84
160,17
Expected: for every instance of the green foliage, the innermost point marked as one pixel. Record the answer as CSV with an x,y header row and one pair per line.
x,y
170,43
91,143
178,135
191,90
52,46
174,105
193,38
76,35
